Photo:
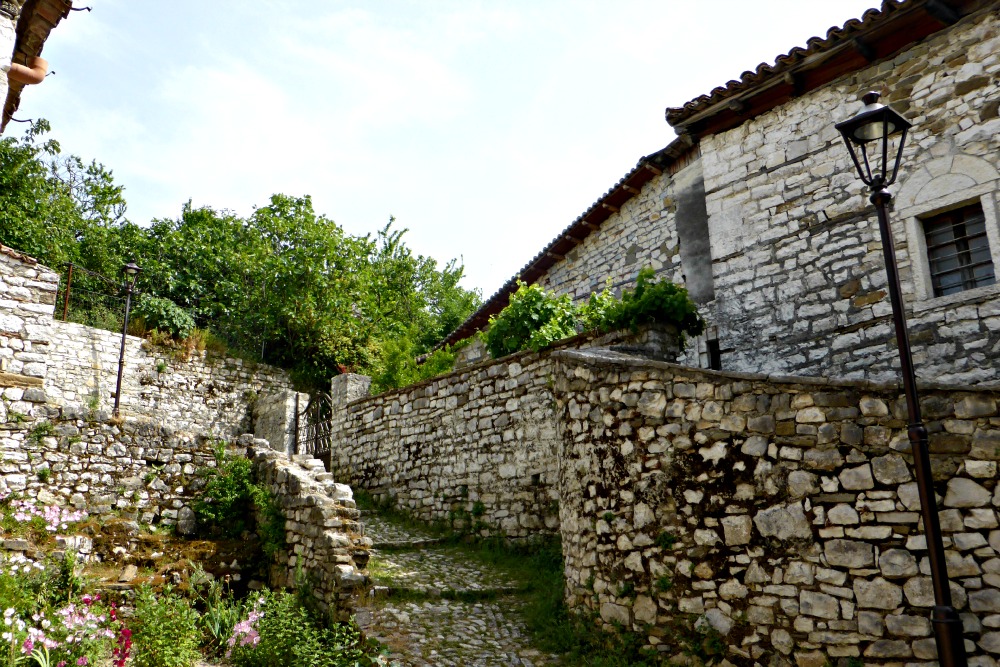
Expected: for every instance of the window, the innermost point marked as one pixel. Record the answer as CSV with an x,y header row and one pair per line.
x,y
958,250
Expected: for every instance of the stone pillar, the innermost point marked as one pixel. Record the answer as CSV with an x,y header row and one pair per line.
x,y
348,387
344,389
275,418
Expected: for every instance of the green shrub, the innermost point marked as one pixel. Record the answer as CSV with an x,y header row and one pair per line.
x,y
291,636
227,499
165,315
230,499
165,630
399,366
533,319
653,303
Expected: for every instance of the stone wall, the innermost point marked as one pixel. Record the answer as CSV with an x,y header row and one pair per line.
x,y
77,366
325,541
136,469
203,392
27,296
796,253
278,416
476,448
780,512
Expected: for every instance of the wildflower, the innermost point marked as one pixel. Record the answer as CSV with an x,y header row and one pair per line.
x,y
82,660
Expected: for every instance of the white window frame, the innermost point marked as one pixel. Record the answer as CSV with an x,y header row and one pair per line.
x,y
917,209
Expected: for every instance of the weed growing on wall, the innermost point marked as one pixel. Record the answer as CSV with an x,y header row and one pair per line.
x,y
535,319
230,499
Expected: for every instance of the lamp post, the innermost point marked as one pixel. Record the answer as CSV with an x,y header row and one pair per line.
x,y
131,271
871,130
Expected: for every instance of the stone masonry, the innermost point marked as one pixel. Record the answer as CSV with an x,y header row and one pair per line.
x,y
203,391
27,295
77,366
795,247
477,448
325,541
780,513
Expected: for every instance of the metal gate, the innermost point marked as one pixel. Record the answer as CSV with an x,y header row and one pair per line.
x,y
314,435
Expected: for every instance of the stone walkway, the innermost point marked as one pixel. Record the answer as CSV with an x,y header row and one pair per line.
x,y
434,605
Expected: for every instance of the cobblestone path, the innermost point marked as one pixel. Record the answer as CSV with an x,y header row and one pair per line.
x,y
434,605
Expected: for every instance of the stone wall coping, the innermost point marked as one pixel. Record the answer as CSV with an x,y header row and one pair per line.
x,y
602,357
472,368
572,341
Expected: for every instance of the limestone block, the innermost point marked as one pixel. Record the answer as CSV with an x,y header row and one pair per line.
x,y
783,522
891,469
963,492
908,626
615,613
897,563
821,605
856,479
877,593
737,529
849,553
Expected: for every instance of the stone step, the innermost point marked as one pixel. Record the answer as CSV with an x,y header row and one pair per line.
x,y
430,593
405,545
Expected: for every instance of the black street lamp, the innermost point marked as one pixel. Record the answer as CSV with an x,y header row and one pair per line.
x,y
871,130
131,271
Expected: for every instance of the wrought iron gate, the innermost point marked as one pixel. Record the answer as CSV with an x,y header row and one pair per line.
x,y
314,434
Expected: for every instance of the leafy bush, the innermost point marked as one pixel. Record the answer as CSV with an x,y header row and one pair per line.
x,y
400,366
227,500
532,320
165,315
653,303
230,498
535,319
165,630
281,632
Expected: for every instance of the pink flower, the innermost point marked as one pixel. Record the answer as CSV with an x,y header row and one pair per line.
x,y
82,660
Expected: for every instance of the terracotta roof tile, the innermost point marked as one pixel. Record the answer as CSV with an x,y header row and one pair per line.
x,y
10,252
896,25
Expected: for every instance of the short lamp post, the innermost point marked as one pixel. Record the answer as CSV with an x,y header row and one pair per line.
x,y
868,136
131,271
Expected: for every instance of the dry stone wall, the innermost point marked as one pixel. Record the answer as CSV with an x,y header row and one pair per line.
x,y
797,260
476,448
77,366
135,469
778,514
325,540
27,295
204,392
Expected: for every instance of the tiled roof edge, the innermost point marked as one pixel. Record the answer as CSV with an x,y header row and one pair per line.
x,y
647,168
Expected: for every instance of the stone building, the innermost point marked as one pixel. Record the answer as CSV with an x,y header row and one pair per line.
x,y
24,27
757,210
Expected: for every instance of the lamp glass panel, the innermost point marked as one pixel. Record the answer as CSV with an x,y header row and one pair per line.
x,y
873,131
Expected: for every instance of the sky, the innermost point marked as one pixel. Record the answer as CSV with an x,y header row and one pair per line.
x,y
485,128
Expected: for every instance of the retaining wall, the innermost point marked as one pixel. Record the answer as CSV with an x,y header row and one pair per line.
x,y
781,512
777,515
475,448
